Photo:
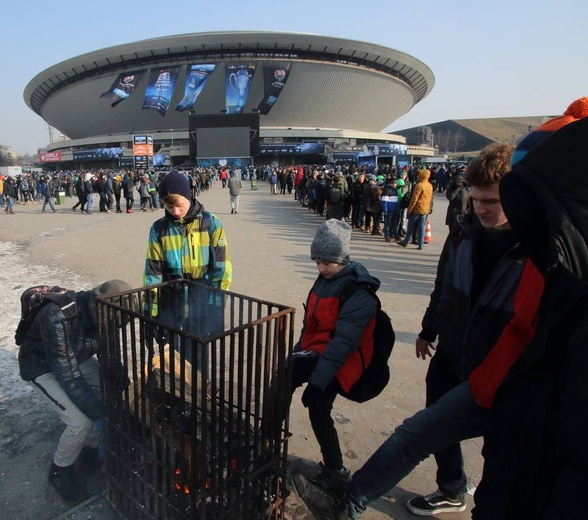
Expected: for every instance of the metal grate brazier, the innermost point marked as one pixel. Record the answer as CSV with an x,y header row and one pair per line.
x,y
192,380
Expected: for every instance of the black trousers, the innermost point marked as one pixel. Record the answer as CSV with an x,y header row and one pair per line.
x,y
451,477
319,410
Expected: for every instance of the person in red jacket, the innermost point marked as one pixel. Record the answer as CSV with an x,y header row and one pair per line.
x,y
529,395
334,338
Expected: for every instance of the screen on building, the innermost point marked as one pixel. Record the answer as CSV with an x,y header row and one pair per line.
x,y
224,135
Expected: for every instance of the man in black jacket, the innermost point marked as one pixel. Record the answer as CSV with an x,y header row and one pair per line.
x,y
528,395
477,277
57,358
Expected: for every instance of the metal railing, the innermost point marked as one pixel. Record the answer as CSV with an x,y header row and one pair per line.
x,y
192,380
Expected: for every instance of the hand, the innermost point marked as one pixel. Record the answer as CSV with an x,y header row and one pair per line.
x,y
311,394
424,348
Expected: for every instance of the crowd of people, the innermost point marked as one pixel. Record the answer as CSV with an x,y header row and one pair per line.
x,y
503,327
386,201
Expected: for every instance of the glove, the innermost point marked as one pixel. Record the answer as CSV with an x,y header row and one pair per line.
x,y
311,395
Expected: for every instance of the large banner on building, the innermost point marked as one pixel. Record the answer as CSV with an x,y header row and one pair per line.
x,y
124,85
160,88
275,76
50,156
196,76
238,82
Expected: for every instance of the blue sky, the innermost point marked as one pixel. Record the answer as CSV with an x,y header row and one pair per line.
x,y
490,59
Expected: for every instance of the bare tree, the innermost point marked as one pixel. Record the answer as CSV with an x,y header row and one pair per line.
x,y
442,139
457,140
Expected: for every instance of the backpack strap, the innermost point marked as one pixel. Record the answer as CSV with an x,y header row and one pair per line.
x,y
349,289
206,224
352,287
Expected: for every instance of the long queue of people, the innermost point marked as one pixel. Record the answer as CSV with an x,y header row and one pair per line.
x,y
388,202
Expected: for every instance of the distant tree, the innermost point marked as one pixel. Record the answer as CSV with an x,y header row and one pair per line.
x,y
457,141
442,139
7,156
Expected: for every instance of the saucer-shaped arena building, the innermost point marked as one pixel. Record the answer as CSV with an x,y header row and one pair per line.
x,y
304,87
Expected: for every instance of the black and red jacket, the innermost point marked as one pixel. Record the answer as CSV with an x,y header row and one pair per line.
x,y
338,334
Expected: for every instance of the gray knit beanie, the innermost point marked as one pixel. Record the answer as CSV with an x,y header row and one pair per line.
x,y
332,242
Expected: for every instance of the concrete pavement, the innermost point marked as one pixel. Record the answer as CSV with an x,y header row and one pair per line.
x,y
269,241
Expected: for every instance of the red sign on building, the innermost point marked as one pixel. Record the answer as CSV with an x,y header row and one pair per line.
x,y
50,157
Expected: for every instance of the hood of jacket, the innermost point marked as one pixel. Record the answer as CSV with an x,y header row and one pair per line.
x,y
545,198
423,175
358,273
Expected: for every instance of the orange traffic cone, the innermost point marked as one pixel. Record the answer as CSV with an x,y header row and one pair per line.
x,y
428,234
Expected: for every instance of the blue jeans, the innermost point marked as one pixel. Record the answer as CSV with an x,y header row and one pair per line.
x,y
420,221
89,200
391,220
453,418
48,200
9,204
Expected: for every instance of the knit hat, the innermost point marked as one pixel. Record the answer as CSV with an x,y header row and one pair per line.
x,y
175,183
111,287
332,242
577,110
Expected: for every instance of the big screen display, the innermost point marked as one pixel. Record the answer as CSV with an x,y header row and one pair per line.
x,y
97,154
224,135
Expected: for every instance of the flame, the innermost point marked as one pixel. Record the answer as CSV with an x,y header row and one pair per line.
x,y
179,486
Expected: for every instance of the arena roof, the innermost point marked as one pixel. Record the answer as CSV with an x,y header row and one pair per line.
x,y
375,84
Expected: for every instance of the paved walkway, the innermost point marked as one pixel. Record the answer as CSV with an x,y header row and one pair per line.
x,y
269,242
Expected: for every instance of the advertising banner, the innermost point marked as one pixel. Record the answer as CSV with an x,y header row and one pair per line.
x,y
385,149
50,157
238,82
160,89
124,85
143,145
292,149
275,76
104,154
196,76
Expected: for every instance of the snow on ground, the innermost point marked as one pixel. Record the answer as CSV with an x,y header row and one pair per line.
x,y
16,274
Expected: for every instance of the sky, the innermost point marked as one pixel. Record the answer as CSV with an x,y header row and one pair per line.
x,y
489,58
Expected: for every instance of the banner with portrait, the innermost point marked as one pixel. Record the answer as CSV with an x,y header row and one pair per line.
x,y
160,88
124,85
275,75
238,82
196,76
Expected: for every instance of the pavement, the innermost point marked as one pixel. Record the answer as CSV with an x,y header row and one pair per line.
x,y
269,241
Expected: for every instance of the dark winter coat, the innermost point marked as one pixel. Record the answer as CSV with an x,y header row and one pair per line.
x,y
457,196
538,455
338,336
54,344
467,333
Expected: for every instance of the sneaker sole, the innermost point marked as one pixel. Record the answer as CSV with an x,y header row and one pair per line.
x,y
436,511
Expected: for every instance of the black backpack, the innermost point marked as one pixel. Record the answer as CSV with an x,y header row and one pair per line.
x,y
33,299
405,200
376,375
336,194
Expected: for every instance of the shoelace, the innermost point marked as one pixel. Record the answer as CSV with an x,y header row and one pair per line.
x,y
434,494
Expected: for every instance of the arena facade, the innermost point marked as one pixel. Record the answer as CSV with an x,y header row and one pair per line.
x,y
317,98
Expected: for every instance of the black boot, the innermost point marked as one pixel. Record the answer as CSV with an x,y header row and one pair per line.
x,y
89,460
68,484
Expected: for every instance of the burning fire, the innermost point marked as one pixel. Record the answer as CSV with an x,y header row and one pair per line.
x,y
186,489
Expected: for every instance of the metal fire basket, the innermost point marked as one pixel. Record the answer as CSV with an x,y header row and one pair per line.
x,y
193,379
